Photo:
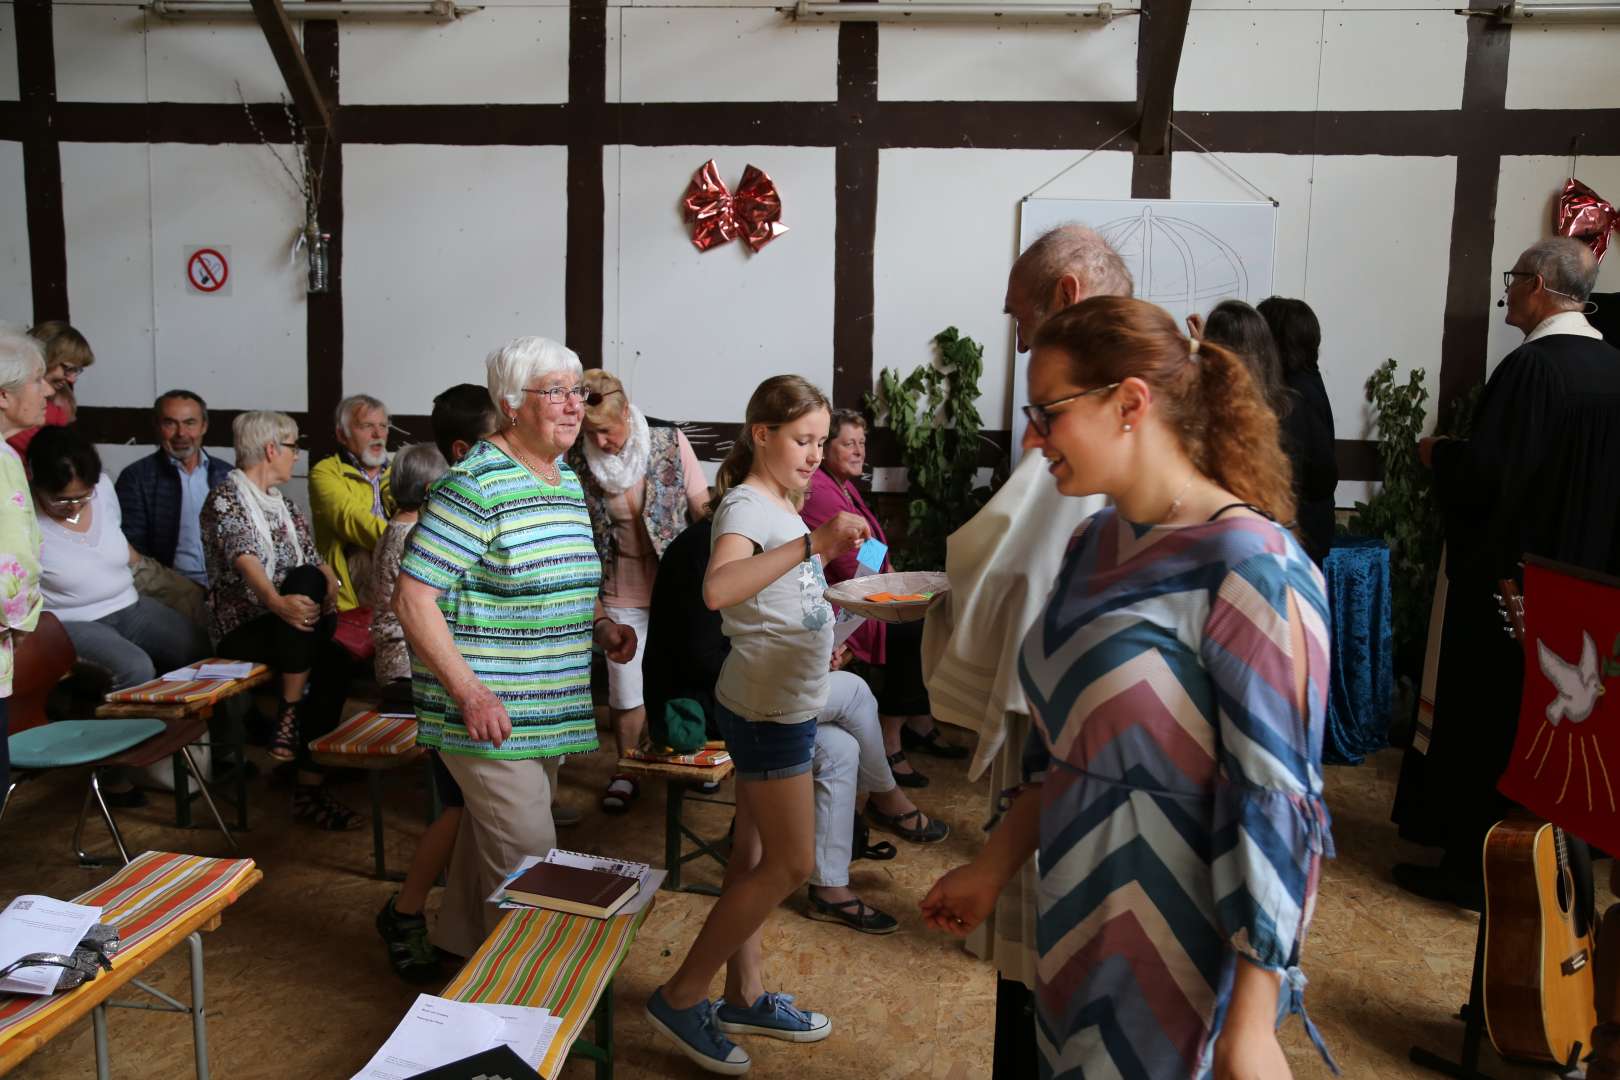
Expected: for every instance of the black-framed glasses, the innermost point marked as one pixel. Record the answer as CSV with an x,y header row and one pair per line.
x,y
559,394
289,446
1509,275
594,398
1040,416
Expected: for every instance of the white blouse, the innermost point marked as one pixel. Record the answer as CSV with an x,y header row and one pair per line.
x,y
86,576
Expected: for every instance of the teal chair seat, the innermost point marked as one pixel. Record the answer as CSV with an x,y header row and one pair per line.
x,y
78,742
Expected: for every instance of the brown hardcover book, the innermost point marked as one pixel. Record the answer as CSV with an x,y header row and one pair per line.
x,y
595,893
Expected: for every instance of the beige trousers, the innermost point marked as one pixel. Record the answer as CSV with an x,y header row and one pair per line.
x,y
508,816
1007,937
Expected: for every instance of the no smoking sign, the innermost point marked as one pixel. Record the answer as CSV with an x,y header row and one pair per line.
x,y
208,270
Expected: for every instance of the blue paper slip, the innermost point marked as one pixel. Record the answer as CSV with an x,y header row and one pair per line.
x,y
872,554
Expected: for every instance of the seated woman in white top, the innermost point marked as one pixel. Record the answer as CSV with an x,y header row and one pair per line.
x,y
85,568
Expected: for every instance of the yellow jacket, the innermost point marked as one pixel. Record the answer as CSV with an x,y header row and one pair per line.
x,y
340,502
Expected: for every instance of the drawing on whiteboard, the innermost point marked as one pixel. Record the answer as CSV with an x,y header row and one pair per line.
x,y
1177,262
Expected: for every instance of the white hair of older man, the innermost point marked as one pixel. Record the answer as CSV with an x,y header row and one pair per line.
x,y
343,416
1566,265
22,358
253,431
516,364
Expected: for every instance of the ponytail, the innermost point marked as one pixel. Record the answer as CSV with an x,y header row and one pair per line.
x,y
780,399
1239,445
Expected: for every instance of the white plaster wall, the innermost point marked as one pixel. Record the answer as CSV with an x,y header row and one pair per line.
x,y
100,52
1235,178
106,203
692,333
115,52
448,252
1250,60
1380,240
942,62
8,52
718,54
16,282
1526,192
1564,67
502,55
1392,60
947,234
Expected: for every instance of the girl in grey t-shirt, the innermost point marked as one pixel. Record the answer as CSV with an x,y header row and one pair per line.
x,y
765,580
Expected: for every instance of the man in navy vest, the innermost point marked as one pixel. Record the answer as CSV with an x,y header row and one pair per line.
x,y
161,495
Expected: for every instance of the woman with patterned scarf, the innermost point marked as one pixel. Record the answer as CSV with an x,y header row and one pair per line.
x,y
643,484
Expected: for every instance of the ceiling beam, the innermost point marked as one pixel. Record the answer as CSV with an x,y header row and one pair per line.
x,y
313,111
1164,29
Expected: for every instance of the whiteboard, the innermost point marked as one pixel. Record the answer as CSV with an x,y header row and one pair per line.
x,y
1184,256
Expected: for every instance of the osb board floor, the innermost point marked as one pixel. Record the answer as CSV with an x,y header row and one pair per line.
x,y
298,985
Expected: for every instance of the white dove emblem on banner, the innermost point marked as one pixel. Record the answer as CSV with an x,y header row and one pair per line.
x,y
1578,686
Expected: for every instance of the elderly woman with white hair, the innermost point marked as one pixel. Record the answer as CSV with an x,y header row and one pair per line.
x,y
498,597
272,600
23,391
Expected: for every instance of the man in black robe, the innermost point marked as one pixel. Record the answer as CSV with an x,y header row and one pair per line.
x,y
1540,474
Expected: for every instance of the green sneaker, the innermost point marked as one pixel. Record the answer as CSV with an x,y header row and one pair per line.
x,y
413,956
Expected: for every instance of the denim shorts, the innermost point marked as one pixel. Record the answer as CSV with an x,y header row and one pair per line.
x,y
764,749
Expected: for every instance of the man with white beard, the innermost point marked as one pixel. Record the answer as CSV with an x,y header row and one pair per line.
x,y
349,497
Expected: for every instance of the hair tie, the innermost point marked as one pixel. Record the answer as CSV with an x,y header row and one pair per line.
x,y
1192,348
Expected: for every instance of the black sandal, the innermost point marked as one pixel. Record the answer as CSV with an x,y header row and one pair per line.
x,y
856,914
911,779
932,833
931,744
313,805
882,851
284,739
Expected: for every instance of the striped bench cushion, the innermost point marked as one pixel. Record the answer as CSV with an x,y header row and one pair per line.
x,y
559,962
371,734
154,893
158,692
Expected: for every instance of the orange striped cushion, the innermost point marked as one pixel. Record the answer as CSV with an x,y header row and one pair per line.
x,y
559,962
369,733
144,899
158,692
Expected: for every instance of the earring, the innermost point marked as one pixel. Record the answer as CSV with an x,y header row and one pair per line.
x,y
1125,427
513,418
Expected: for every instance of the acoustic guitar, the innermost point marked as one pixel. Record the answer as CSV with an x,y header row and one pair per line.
x,y
1538,988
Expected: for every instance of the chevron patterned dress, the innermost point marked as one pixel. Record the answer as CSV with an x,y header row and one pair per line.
x,y
1182,821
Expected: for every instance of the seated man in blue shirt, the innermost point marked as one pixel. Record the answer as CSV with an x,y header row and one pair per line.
x,y
162,495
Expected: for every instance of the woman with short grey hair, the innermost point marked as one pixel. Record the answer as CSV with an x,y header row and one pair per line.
x,y
504,548
23,391
416,468
272,600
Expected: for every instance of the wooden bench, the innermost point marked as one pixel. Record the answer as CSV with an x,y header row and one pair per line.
x,y
681,782
187,707
562,963
374,742
156,902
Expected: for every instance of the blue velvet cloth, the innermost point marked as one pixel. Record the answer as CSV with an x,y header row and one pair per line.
x,y
1361,700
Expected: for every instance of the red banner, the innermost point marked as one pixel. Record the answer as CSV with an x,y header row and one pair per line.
x,y
1566,759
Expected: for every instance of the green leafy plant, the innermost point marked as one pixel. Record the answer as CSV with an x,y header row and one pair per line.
x,y
935,418
1403,511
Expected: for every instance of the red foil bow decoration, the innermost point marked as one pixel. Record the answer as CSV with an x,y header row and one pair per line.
x,y
718,217
1583,214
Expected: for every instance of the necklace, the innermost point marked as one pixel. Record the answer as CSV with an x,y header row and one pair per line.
x,y
554,477
1175,504
74,520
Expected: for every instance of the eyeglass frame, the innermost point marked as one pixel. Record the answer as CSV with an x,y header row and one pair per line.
x,y
293,446
578,393
68,503
1040,415
1509,275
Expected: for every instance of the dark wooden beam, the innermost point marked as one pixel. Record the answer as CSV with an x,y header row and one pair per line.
x,y
1164,29
313,112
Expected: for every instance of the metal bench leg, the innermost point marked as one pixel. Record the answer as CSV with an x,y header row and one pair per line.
x,y
202,788
379,858
98,1022
182,791
603,1030
674,795
199,1018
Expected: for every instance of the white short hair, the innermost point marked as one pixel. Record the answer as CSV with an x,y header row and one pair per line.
x,y
519,362
344,415
252,431
22,359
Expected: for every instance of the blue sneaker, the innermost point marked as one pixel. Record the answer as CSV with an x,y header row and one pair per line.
x,y
693,1031
774,1015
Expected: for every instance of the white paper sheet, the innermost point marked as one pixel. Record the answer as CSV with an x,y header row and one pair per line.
x,y
435,1032
32,924
234,669
528,1031
184,674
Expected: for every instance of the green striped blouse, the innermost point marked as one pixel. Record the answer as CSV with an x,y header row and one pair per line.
x,y
518,575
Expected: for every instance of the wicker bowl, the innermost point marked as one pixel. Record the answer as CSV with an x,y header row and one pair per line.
x,y
851,595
